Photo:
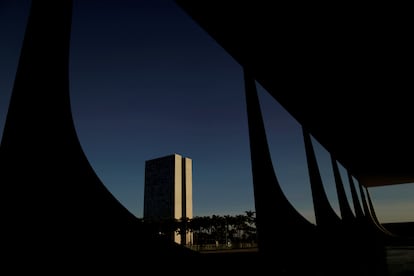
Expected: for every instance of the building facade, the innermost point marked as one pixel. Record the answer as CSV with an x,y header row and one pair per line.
x,y
168,191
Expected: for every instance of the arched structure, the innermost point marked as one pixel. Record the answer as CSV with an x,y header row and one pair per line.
x,y
283,233
359,214
326,66
55,211
339,70
347,215
324,213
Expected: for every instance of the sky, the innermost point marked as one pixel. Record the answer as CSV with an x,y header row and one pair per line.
x,y
146,81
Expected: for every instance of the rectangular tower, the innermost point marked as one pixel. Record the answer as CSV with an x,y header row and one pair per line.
x,y
168,191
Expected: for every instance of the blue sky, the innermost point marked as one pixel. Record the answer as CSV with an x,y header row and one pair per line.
x,y
146,81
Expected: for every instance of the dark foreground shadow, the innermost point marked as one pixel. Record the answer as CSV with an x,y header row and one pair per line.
x,y
57,216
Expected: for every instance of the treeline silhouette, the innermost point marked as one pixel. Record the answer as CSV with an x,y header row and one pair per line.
x,y
229,230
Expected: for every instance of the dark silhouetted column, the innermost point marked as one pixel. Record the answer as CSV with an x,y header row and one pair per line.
x,y
284,235
359,214
346,212
55,210
324,214
370,217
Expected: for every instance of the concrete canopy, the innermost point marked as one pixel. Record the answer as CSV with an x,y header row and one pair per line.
x,y
342,71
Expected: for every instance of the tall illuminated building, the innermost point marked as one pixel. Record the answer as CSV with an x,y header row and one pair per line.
x,y
168,191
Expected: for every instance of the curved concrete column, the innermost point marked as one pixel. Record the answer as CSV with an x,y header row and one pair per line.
x,y
359,214
346,212
55,211
284,235
324,213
